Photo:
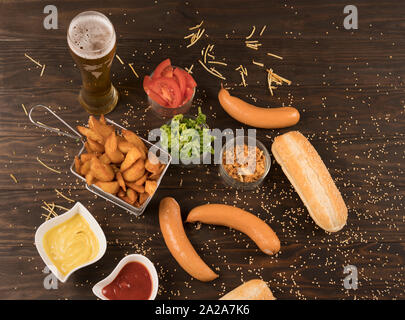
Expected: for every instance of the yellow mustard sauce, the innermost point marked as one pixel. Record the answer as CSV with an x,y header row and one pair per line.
x,y
71,244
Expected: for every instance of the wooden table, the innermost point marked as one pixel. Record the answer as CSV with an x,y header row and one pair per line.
x,y
347,84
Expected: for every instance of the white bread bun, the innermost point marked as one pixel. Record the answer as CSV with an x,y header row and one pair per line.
x,y
252,290
311,179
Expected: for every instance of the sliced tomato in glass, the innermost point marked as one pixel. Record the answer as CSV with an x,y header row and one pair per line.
x,y
157,98
167,72
189,79
168,89
181,80
188,95
146,82
158,71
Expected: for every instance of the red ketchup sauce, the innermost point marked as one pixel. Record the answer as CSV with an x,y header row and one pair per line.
x,y
133,282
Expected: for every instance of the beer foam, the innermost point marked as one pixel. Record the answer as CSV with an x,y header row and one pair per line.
x,y
91,36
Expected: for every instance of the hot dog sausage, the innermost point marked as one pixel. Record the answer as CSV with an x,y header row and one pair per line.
x,y
224,215
177,242
267,118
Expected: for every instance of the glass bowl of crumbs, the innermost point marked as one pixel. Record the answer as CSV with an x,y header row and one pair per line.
x,y
245,163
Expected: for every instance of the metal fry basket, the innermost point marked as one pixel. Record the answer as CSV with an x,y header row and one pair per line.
x,y
93,188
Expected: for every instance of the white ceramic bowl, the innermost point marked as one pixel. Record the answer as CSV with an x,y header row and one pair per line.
x,y
78,208
98,287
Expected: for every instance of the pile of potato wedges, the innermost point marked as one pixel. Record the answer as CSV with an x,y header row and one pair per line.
x,y
119,164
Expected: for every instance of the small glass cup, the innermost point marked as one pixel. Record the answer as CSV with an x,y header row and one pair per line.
x,y
166,112
239,184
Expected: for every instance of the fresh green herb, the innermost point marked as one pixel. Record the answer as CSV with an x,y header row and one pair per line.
x,y
187,138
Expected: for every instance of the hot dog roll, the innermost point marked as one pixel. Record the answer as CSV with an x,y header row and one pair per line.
x,y
311,179
267,118
252,290
177,242
224,215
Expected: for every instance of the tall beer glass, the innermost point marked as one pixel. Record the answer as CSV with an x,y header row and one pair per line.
x,y
92,43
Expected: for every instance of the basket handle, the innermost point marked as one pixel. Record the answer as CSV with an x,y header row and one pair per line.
x,y
76,136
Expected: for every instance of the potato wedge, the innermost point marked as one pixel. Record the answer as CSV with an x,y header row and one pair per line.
x,y
78,164
152,167
89,178
85,168
100,128
132,195
111,149
87,147
150,186
121,181
126,199
95,146
154,176
136,171
135,187
142,198
124,146
135,140
84,157
105,159
101,171
111,187
116,157
111,144
141,180
90,134
133,155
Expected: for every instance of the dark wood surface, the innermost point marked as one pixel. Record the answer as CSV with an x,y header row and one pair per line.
x,y
348,86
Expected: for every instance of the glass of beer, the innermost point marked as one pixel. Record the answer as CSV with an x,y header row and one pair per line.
x,y
92,44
